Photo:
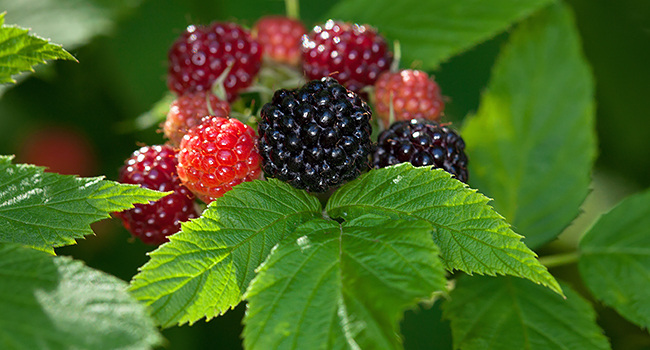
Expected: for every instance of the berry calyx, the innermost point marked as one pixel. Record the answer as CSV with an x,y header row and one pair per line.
x,y
412,93
422,143
315,137
280,38
353,54
217,155
201,54
154,167
188,110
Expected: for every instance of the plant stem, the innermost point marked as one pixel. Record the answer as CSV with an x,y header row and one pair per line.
x,y
559,259
293,9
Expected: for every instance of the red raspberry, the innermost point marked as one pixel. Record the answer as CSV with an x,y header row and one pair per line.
x,y
353,54
188,110
201,54
280,38
155,168
415,96
216,155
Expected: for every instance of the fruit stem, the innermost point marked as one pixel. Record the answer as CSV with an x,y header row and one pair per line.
x,y
292,8
560,259
391,110
397,56
218,89
207,103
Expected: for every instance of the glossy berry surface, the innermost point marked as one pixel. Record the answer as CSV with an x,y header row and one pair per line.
x,y
422,143
201,54
280,38
154,167
216,155
315,137
188,110
353,54
414,96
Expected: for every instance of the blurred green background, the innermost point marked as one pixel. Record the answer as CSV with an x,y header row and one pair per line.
x,y
68,116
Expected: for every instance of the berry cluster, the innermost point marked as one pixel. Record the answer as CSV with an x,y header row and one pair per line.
x,y
412,96
216,155
155,168
422,143
353,54
202,54
315,137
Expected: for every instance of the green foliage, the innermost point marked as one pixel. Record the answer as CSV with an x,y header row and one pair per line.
x,y
19,51
70,22
433,31
206,268
615,259
54,303
510,313
472,237
314,282
532,145
45,210
342,286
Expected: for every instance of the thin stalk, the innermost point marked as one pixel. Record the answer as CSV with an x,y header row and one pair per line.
x,y
559,259
292,8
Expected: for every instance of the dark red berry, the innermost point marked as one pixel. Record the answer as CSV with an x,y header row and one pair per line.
x,y
413,94
154,167
202,54
217,155
188,110
61,150
353,54
315,137
280,38
422,143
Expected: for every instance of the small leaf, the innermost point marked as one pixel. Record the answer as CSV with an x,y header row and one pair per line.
x,y
615,259
532,144
511,313
434,30
342,286
19,51
472,237
49,302
204,270
45,210
156,115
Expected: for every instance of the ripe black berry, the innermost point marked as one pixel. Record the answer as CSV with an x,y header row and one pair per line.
x,y
315,137
422,143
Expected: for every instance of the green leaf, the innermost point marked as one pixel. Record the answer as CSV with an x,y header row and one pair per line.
x,y
532,144
19,51
472,237
342,286
154,116
511,313
45,210
205,269
615,259
71,23
49,302
433,31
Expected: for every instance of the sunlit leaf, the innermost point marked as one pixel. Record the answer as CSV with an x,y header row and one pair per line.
x,y
532,144
205,269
